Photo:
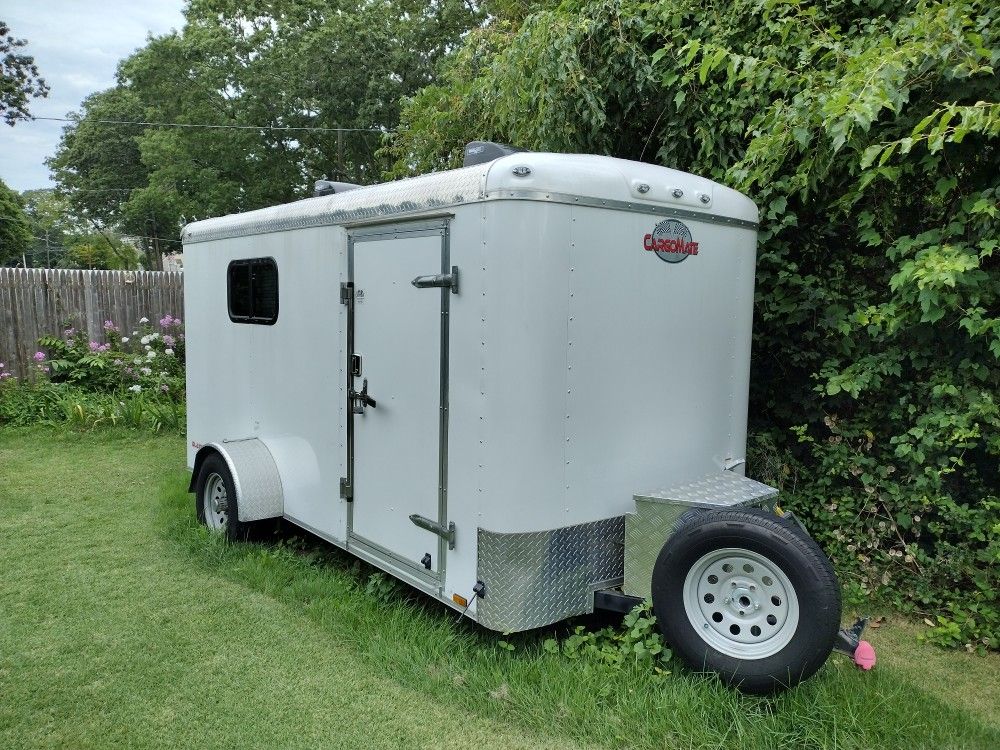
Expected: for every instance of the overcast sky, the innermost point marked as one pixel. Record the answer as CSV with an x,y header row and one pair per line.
x,y
77,45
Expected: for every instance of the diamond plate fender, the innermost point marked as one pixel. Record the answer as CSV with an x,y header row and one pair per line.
x,y
255,474
648,528
540,577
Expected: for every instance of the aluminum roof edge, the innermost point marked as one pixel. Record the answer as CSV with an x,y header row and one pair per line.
x,y
336,219
571,179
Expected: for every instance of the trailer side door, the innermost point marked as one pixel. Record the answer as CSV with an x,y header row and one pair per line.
x,y
398,300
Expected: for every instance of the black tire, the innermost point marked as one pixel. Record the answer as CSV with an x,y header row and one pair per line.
x,y
783,545
215,466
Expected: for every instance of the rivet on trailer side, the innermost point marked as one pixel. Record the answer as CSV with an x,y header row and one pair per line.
x,y
519,386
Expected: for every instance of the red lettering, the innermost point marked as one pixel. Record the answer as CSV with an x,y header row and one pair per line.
x,y
669,245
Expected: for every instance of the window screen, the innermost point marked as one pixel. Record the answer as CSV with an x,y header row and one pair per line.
x,y
253,291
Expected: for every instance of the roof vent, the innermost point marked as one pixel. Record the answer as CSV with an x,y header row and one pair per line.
x,y
329,187
481,152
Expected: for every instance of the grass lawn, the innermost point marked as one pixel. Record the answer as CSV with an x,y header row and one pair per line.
x,y
122,623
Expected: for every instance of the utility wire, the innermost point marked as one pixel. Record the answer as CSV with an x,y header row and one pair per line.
x,y
136,237
216,127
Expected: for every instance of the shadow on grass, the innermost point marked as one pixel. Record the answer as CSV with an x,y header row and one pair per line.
x,y
394,630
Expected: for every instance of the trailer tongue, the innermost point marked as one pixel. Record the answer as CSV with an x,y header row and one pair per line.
x,y
470,376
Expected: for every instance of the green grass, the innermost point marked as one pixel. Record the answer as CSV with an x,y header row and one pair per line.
x,y
123,623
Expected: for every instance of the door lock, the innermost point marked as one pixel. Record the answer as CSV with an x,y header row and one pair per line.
x,y
361,399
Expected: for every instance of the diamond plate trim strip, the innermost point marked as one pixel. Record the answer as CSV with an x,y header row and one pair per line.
x,y
537,578
647,530
258,483
427,192
724,489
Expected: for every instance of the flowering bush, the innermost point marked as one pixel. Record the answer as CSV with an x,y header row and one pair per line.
x,y
135,380
149,360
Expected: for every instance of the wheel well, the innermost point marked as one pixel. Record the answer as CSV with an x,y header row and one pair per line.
x,y
203,453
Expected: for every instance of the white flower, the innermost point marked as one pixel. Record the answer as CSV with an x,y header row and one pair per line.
x,y
145,340
143,320
124,339
146,371
135,388
148,347
169,352
154,336
150,354
135,333
136,361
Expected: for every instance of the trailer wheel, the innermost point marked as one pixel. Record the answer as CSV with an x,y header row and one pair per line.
x,y
215,499
747,595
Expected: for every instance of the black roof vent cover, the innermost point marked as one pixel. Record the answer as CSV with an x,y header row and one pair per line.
x,y
329,187
480,152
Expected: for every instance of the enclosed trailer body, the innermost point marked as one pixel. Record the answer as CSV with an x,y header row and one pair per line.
x,y
466,378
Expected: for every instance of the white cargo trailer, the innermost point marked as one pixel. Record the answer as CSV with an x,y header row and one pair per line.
x,y
505,384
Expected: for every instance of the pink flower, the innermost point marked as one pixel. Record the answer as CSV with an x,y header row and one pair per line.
x,y
69,332
103,347
164,388
94,346
166,321
39,356
168,340
109,325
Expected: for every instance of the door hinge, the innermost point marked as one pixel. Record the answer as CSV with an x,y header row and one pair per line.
x,y
447,532
345,292
346,490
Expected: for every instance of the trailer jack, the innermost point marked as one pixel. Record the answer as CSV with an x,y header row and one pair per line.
x,y
850,644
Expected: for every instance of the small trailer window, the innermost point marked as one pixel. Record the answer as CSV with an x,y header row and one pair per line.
x,y
253,291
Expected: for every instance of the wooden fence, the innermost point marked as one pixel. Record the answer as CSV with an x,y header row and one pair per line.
x,y
38,302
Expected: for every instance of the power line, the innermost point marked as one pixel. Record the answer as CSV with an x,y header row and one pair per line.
x,y
216,127
135,237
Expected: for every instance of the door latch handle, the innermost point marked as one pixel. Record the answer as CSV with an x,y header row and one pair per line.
x,y
448,280
361,398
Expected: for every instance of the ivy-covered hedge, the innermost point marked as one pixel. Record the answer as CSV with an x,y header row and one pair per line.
x,y
867,131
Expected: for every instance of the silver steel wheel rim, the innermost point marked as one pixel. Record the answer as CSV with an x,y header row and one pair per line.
x,y
741,603
215,501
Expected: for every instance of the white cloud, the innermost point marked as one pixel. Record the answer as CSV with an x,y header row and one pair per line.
x,y
77,45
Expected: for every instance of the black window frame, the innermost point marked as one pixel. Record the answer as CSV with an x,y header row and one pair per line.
x,y
252,264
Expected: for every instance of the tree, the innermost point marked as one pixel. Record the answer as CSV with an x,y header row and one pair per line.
x,y
868,132
15,231
264,85
100,251
19,79
53,226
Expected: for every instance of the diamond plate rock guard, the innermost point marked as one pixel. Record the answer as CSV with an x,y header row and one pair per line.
x,y
540,577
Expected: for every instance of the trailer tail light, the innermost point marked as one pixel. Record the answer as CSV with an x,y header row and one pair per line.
x,y
460,600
